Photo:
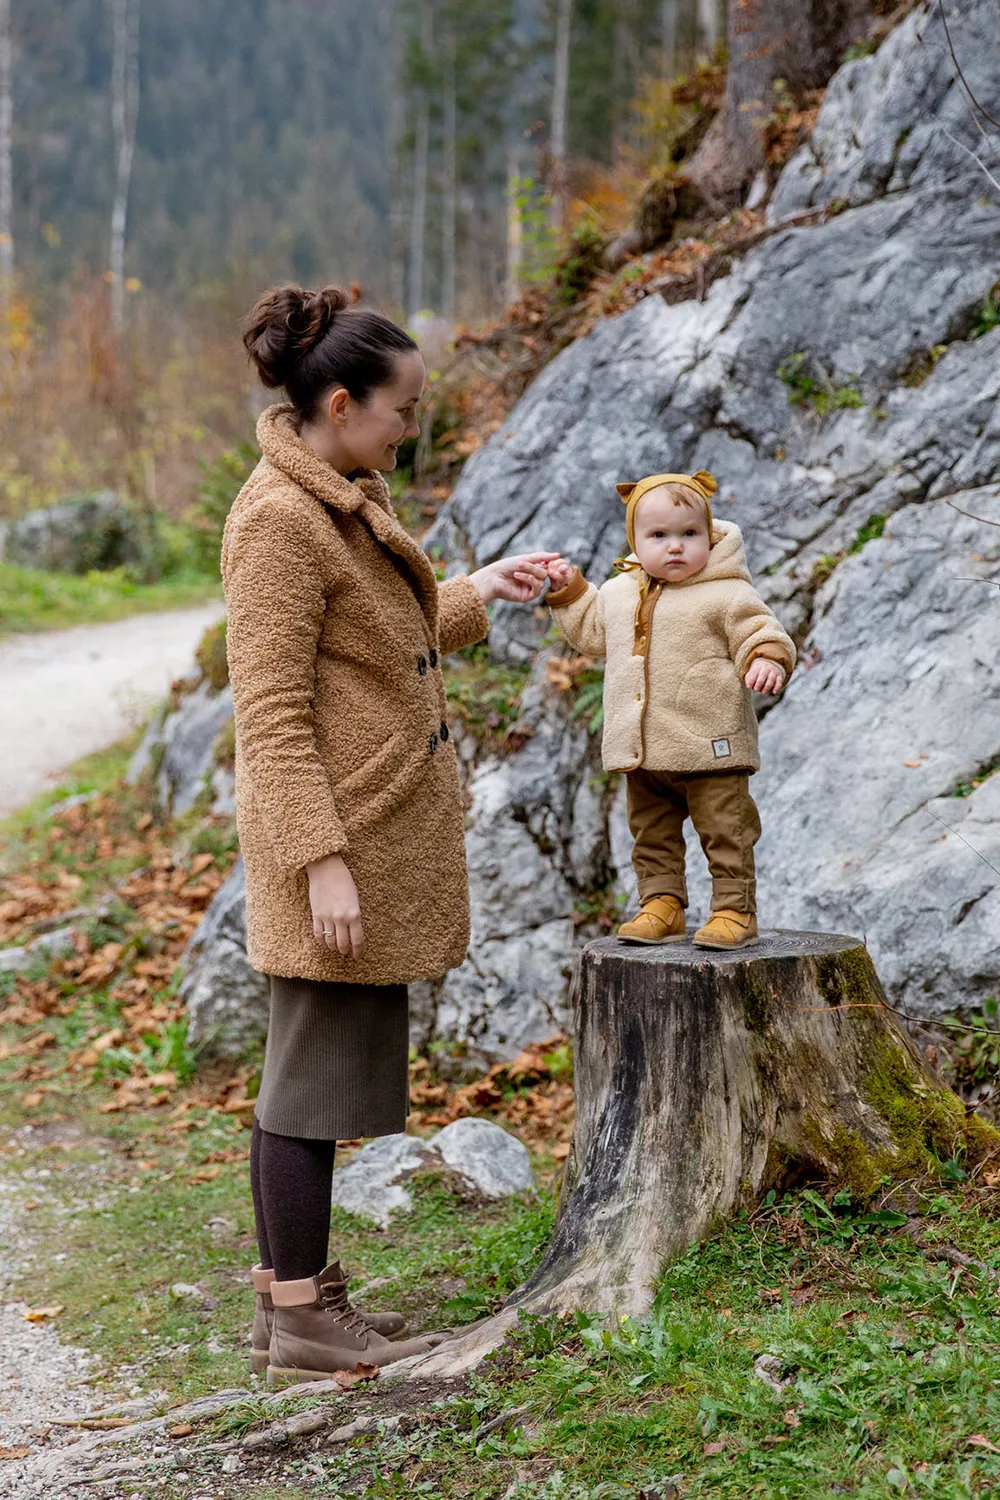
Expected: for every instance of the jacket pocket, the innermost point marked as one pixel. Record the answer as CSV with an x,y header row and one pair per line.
x,y
382,783
710,698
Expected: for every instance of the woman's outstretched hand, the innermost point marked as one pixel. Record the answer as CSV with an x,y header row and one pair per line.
x,y
519,579
336,910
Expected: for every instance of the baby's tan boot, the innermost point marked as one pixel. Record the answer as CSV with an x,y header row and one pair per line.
x,y
316,1331
727,929
660,921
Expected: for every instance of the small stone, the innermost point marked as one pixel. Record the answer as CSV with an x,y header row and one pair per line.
x,y
232,1463
183,1291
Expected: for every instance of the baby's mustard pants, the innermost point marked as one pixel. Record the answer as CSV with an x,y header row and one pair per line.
x,y
725,819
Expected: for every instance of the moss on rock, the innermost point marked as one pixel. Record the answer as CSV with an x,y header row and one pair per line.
x,y
211,657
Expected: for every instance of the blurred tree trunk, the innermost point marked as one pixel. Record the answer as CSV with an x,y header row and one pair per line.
x,y
421,153
6,142
449,204
560,94
709,18
515,236
624,71
668,36
798,41
124,113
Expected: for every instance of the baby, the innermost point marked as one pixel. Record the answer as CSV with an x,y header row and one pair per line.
x,y
686,638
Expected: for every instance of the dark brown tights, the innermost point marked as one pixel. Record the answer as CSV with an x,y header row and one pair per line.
x,y
290,1180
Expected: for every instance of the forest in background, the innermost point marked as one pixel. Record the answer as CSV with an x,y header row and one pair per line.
x,y
462,167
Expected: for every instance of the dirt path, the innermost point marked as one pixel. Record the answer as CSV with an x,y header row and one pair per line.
x,y
66,693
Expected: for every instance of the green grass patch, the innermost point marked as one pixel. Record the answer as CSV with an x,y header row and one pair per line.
x,y
32,600
484,695
807,387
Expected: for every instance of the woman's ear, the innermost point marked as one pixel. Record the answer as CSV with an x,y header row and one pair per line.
x,y
625,491
336,405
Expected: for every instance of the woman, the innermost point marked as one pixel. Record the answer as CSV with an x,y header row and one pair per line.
x,y
347,792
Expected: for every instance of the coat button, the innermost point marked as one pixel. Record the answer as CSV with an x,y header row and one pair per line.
x,y
422,665
433,743
445,734
434,658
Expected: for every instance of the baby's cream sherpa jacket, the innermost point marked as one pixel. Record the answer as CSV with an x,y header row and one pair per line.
x,y
674,695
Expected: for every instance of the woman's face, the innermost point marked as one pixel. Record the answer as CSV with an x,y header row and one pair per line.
x,y
370,434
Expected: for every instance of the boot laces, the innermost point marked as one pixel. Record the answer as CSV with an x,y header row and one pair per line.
x,y
333,1296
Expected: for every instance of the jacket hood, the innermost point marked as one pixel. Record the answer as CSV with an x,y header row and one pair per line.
x,y
284,449
726,558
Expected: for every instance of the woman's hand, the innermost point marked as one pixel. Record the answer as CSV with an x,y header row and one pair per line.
x,y
765,676
336,910
519,579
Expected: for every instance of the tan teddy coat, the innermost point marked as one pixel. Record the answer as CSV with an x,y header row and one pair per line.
x,y
674,695
336,630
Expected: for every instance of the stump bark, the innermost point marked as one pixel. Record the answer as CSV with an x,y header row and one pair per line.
x,y
703,1079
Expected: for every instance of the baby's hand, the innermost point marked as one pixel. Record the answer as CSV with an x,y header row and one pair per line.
x,y
560,572
765,676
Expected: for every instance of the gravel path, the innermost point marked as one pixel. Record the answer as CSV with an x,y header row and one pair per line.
x,y
66,693
40,1378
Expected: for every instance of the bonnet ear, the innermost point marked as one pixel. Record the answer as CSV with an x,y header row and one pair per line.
x,y
625,491
706,481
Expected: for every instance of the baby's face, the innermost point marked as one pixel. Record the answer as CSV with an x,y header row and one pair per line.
x,y
671,541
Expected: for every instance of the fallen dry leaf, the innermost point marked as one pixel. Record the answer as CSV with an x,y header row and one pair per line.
x,y
712,1448
978,1441
14,1452
180,1429
348,1378
39,1314
206,1174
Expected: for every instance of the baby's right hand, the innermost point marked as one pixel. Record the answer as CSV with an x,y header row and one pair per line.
x,y
560,572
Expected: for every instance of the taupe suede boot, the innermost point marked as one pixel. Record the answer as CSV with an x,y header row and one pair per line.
x,y
263,1317
316,1331
391,1325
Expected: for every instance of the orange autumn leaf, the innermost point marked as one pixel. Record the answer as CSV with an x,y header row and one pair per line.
x,y
39,1314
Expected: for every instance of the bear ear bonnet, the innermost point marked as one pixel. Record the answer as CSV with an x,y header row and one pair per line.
x,y
625,491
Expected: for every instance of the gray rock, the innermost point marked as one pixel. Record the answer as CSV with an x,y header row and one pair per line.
x,y
863,759
49,945
227,999
96,531
490,1160
484,1158
371,1186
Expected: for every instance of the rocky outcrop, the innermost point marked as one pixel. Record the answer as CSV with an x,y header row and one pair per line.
x,y
843,384
179,750
96,531
897,274
226,998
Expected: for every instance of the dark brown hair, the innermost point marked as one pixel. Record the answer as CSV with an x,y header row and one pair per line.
x,y
307,342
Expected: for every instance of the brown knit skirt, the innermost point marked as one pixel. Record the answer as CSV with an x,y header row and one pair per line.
x,y
337,1060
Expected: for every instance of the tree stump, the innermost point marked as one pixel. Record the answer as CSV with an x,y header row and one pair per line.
x,y
703,1079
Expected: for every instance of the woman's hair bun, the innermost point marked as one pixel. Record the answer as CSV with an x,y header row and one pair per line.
x,y
285,325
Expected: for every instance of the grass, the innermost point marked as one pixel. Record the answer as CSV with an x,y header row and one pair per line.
x,y
807,388
32,600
